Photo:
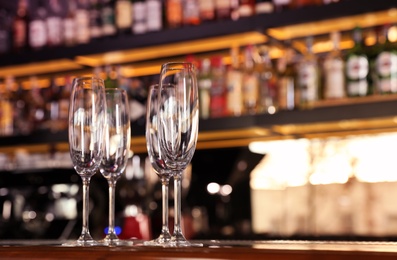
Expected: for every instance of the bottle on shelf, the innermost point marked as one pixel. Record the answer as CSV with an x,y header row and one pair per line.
x,y
357,68
206,10
246,8
108,18
173,13
223,9
264,6
333,68
36,104
267,82
38,35
51,98
282,5
64,99
139,24
308,77
204,82
123,16
54,23
234,85
95,14
155,12
250,82
82,22
385,67
111,80
20,26
190,12
69,24
303,3
6,108
286,94
22,123
5,39
218,88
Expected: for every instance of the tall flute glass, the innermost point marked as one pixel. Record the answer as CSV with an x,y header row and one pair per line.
x,y
86,117
157,162
115,150
178,129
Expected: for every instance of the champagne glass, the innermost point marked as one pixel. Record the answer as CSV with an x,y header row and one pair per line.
x,y
157,162
86,117
115,151
178,129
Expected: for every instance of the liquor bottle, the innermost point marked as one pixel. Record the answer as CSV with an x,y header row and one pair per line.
x,y
223,9
22,123
246,8
250,82
174,13
386,66
5,40
69,24
308,77
108,19
20,27
264,6
123,16
36,104
54,23
6,108
64,100
302,3
95,19
82,22
286,94
204,82
206,10
357,68
51,98
154,10
267,82
234,85
190,12
139,17
37,27
111,77
334,77
282,5
218,88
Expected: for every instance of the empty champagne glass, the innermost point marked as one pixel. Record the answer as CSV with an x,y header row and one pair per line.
x,y
86,118
178,119
157,162
115,151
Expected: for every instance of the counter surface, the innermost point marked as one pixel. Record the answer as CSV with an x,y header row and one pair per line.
x,y
212,249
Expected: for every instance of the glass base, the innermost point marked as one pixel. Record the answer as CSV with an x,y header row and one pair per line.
x,y
83,240
181,241
113,240
163,240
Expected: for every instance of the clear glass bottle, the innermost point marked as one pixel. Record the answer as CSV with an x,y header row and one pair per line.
x,y
69,24
357,68
250,82
54,24
286,94
267,82
308,77
155,13
333,67
139,24
234,84
190,12
37,27
82,21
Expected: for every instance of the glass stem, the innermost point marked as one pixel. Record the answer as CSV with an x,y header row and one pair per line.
x,y
86,206
112,200
177,217
164,190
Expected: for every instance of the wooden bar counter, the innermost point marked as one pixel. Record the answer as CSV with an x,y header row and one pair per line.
x,y
269,250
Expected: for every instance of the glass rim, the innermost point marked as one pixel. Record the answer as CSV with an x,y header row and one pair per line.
x,y
87,78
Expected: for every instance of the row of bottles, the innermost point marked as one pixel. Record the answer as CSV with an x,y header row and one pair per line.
x,y
25,110
36,24
297,81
